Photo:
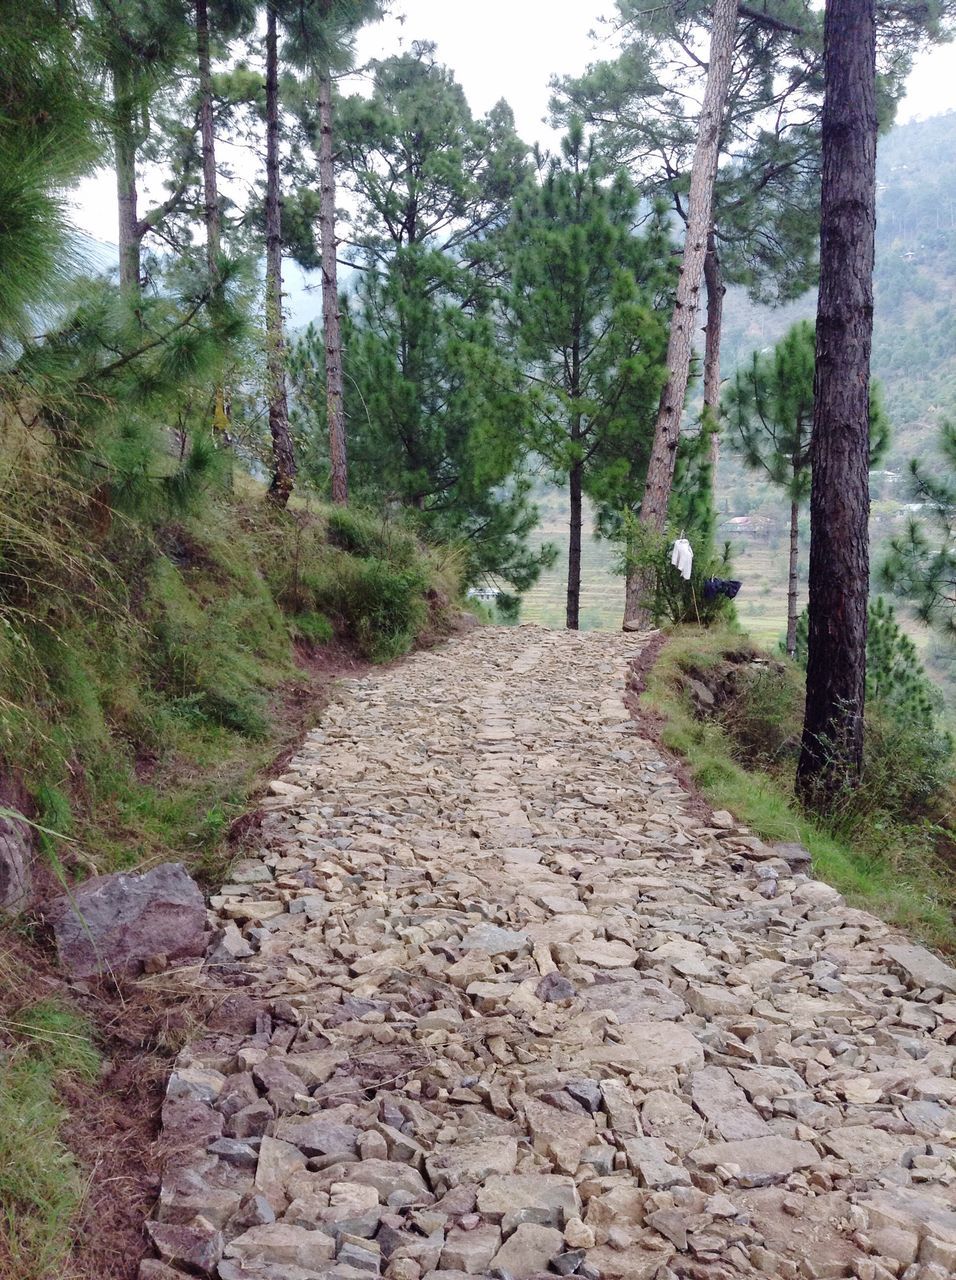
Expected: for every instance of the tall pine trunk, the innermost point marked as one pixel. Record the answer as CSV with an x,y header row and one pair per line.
x,y
832,748
576,491
208,136
335,399
127,196
210,177
792,578
283,458
715,290
660,470
576,488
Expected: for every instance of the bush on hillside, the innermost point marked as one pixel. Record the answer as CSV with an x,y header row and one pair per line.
x,y
362,533
672,598
379,605
908,756
908,752
130,639
764,714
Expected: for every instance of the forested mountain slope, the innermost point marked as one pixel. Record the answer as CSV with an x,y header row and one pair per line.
x,y
914,341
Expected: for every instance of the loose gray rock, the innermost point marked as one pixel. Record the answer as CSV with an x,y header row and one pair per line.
x,y
725,1105
531,1249
16,865
920,967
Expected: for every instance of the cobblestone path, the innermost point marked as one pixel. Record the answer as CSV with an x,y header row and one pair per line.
x,y
524,1014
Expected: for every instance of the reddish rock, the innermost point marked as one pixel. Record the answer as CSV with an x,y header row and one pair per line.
x,y
189,1123
115,923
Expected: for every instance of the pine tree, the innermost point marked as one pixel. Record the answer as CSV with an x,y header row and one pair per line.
x,y
896,680
769,414
283,454
323,42
435,401
660,468
215,25
424,170
587,323
142,46
895,677
832,748
227,19
438,424
920,566
765,195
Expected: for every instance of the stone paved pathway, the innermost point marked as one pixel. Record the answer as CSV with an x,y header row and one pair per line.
x,y
524,1014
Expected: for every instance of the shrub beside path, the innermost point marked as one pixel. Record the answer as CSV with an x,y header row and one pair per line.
x,y
520,1011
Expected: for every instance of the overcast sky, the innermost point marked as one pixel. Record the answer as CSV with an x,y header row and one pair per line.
x,y
510,49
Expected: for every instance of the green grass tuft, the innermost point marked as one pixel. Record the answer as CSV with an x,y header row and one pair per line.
x,y
41,1187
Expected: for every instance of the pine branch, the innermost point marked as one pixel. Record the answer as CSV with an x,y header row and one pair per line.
x,y
767,20
158,341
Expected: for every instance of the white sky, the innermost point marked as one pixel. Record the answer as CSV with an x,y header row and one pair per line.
x,y
510,49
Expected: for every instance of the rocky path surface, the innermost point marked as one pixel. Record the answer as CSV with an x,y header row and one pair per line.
x,y
524,1015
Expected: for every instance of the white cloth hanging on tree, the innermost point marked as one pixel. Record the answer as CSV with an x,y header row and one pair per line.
x,y
682,558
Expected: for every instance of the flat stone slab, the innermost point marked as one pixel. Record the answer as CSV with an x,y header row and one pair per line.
x,y
495,941
552,1198
473,1161
923,1214
755,1156
529,1251
724,1105
652,1047
868,1150
920,967
639,1000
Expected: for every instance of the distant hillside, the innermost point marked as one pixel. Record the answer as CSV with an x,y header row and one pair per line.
x,y
914,340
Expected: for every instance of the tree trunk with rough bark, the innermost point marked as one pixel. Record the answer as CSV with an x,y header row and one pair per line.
x,y
832,747
283,457
715,289
576,491
210,177
576,487
792,578
208,136
334,390
660,470
127,195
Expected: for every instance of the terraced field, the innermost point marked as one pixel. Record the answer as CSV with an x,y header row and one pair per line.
x,y
761,566
602,592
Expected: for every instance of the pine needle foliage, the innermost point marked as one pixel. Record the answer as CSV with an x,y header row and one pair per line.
x,y
920,567
49,137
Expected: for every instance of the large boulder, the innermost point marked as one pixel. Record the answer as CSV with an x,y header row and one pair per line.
x,y
113,924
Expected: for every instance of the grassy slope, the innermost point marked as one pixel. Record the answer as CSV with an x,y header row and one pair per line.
x,y
879,870
40,1183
